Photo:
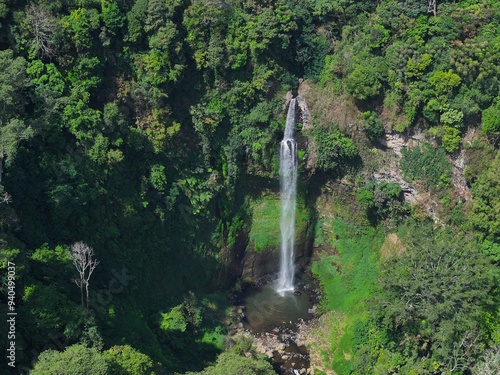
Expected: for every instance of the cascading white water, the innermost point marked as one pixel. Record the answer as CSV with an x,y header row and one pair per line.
x,y
288,183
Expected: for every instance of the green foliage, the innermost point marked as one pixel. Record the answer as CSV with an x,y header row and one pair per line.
x,y
157,177
13,81
111,16
53,264
372,125
491,118
486,192
378,36
451,139
125,360
417,68
333,149
444,82
479,155
50,311
381,201
136,126
80,25
75,360
47,79
365,198
173,320
427,165
451,117
232,363
11,134
363,83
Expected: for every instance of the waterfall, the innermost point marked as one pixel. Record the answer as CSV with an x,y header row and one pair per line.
x,y
288,185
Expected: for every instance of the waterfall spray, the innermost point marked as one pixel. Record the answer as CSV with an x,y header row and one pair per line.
x,y
288,186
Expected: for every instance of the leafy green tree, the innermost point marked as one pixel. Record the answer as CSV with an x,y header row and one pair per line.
x,y
111,16
451,139
445,82
363,83
377,36
232,363
75,360
125,360
174,320
53,265
13,129
491,118
49,311
81,25
136,18
48,81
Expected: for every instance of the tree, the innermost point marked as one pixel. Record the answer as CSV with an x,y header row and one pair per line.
x,y
491,118
111,16
75,360
232,363
49,312
125,360
12,128
451,139
83,259
11,134
363,83
445,82
80,25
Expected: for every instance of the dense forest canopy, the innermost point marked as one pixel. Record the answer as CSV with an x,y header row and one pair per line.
x,y
148,128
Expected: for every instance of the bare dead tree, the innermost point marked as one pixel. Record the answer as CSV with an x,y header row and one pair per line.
x,y
432,7
83,259
43,26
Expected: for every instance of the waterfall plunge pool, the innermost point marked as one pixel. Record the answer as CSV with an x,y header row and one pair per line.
x,y
273,318
267,309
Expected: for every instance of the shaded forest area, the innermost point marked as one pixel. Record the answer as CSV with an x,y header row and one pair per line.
x,y
143,128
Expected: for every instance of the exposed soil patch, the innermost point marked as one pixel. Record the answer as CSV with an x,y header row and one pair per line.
x,y
392,246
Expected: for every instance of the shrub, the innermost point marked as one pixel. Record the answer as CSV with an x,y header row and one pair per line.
x,y
333,149
427,165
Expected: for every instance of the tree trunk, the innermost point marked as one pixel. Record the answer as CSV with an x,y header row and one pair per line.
x,y
81,294
87,290
1,168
